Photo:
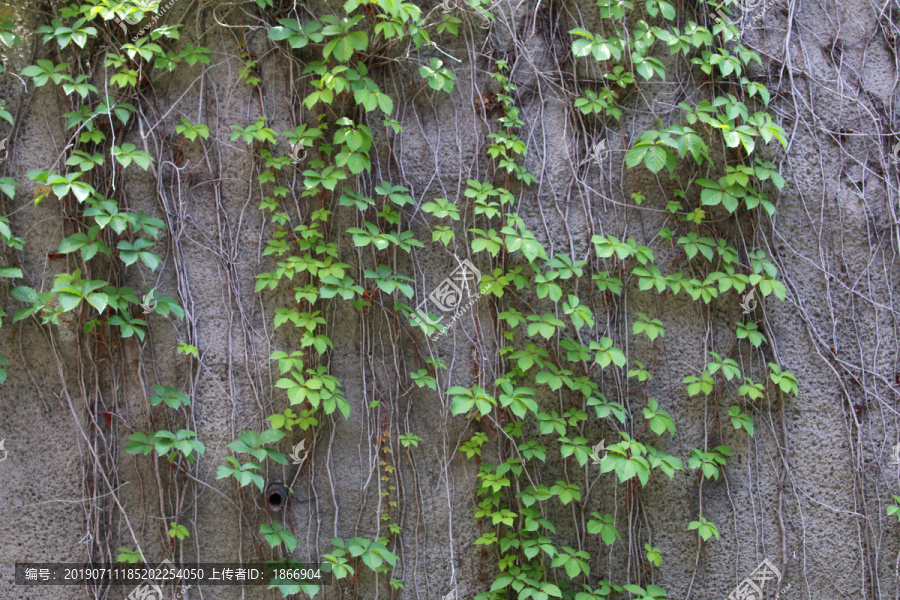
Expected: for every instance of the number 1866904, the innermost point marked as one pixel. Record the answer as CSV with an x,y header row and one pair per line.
x,y
309,575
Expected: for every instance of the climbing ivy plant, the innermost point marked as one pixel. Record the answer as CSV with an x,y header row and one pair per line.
x,y
553,345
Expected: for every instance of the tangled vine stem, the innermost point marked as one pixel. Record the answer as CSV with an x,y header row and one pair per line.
x,y
601,180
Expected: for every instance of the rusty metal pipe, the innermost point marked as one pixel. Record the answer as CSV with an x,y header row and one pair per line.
x,y
276,496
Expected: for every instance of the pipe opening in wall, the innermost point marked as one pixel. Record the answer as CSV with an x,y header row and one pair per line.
x,y
276,496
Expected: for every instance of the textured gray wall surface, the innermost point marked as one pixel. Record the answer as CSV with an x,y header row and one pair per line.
x,y
808,491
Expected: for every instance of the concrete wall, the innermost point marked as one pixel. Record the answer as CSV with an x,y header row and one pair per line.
x,y
808,491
